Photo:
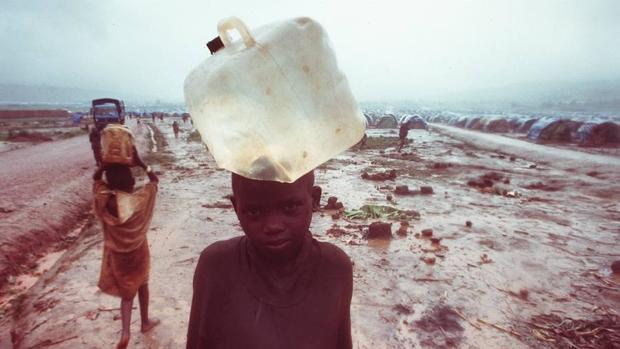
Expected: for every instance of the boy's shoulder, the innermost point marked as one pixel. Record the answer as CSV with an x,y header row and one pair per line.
x,y
219,252
334,259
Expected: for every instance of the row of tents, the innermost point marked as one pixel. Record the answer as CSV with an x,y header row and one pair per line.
x,y
390,121
541,129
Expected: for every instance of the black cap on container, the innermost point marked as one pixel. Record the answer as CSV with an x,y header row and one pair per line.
x,y
215,45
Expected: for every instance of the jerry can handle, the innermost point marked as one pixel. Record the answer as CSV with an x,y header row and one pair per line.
x,y
231,23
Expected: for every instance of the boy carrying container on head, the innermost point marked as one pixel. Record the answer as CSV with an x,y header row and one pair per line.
x,y
276,286
271,108
125,214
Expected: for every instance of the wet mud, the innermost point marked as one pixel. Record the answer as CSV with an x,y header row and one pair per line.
x,y
492,263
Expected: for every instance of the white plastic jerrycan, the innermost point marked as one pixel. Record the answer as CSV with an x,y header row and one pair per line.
x,y
273,105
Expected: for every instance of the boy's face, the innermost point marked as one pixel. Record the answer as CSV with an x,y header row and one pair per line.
x,y
274,216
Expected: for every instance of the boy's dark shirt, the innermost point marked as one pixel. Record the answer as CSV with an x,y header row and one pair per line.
x,y
234,307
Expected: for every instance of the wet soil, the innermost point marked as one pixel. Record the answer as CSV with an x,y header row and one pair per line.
x,y
44,190
553,246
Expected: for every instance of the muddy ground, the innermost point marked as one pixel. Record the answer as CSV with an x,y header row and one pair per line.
x,y
543,232
23,128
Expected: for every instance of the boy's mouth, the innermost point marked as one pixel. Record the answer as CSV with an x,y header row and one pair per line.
x,y
277,244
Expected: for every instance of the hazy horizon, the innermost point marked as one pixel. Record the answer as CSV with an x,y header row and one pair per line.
x,y
392,50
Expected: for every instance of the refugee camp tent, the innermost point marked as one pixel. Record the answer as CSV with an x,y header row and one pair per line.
x,y
554,130
387,121
593,134
526,125
498,125
414,122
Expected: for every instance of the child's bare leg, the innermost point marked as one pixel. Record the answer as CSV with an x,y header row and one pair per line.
x,y
126,305
143,297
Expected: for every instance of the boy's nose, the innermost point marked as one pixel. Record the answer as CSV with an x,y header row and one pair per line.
x,y
273,225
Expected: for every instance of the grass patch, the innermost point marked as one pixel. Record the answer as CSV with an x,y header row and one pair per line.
x,y
383,212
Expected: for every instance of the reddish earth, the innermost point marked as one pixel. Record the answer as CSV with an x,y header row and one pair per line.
x,y
44,190
501,257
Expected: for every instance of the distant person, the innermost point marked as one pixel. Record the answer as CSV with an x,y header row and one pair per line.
x,y
362,142
175,128
276,286
125,215
402,134
95,144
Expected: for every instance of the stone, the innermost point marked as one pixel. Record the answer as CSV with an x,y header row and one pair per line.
x,y
429,260
333,204
404,229
426,190
468,224
401,190
379,230
615,267
427,232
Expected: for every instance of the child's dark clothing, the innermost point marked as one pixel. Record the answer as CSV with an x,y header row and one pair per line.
x,y
238,302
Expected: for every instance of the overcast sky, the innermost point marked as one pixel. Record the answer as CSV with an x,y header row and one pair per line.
x,y
388,49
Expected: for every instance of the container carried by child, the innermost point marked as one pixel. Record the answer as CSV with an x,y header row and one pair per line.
x,y
117,144
273,105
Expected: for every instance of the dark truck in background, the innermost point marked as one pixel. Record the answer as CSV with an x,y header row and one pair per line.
x,y
104,111
107,110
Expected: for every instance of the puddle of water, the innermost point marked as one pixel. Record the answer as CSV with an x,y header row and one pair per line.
x,y
22,283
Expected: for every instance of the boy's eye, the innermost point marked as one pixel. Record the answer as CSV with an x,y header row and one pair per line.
x,y
252,211
291,206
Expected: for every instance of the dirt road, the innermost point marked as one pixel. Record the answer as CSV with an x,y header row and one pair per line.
x,y
43,189
541,240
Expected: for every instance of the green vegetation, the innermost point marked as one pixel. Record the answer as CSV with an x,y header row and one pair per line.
x,y
379,211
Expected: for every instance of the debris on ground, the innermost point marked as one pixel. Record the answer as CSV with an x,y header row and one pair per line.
x,y
427,232
218,204
484,259
426,190
335,232
440,327
429,260
379,230
615,267
380,176
551,186
401,190
487,180
333,204
403,230
559,332
440,165
402,309
381,212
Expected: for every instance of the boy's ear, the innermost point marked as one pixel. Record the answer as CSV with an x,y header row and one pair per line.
x,y
316,197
